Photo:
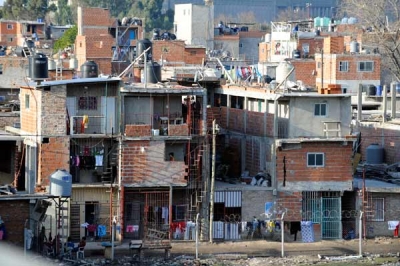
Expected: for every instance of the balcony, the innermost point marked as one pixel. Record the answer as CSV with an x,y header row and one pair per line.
x,y
101,125
151,125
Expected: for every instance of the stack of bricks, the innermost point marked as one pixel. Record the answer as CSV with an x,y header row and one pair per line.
x,y
334,45
137,130
178,130
333,89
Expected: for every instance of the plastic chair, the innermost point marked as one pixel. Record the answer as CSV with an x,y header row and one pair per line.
x,y
80,254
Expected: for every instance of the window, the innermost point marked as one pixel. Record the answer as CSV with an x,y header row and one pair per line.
x,y
320,109
27,98
367,66
193,52
87,103
343,66
10,39
9,26
377,208
315,160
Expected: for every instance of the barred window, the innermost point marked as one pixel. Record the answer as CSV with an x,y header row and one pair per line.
x,y
376,209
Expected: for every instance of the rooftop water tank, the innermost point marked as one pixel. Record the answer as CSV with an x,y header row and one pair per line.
x,y
374,154
142,45
152,72
61,183
352,20
38,67
89,69
317,22
354,47
283,70
52,64
73,63
345,20
325,22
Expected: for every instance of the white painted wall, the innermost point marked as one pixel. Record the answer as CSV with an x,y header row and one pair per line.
x,y
303,123
194,24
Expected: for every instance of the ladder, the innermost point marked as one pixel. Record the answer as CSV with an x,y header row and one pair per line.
x,y
62,219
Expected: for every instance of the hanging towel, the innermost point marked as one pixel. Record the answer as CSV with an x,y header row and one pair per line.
x,y
101,230
392,225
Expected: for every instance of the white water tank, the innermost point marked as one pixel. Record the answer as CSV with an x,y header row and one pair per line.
x,y
73,63
283,70
61,183
52,64
353,47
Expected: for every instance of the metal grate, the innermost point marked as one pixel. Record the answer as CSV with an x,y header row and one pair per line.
x,y
331,225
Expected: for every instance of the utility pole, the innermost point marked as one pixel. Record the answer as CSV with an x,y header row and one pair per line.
x,y
212,179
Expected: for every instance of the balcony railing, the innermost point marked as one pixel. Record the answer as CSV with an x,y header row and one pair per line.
x,y
88,125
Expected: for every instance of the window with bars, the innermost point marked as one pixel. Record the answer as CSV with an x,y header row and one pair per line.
x,y
311,206
87,103
376,207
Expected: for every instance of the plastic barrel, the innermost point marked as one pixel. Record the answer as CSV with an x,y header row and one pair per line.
x,y
379,90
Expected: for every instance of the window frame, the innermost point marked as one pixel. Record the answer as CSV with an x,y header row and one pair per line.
x,y
315,159
343,66
365,67
319,111
10,26
378,214
27,101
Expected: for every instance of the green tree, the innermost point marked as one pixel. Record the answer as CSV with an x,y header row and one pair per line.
x,y
67,39
380,21
64,14
150,10
26,9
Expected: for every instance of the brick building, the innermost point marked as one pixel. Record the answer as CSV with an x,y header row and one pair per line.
x,y
268,134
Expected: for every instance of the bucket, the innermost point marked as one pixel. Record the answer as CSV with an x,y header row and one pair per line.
x,y
379,90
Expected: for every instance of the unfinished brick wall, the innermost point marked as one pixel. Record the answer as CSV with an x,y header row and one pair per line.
x,y
137,130
53,111
386,138
8,119
291,204
144,164
178,130
305,71
338,162
29,112
14,213
52,156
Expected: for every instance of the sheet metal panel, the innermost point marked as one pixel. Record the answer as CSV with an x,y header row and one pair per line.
x,y
233,199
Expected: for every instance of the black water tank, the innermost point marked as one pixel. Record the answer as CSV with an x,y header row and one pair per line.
x,y
89,69
38,67
153,72
142,45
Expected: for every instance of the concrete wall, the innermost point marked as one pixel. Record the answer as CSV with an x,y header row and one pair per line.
x,y
183,21
391,213
302,112
253,203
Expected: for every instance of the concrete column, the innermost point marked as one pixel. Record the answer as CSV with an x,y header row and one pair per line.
x,y
359,103
393,98
384,103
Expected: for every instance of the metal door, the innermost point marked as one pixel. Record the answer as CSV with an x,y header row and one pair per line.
x,y
331,224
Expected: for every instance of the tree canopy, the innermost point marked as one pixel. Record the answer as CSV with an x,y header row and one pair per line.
x,y
380,20
68,39
26,9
